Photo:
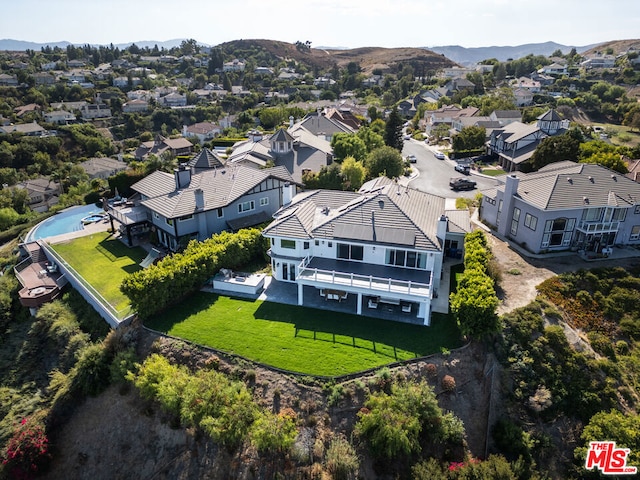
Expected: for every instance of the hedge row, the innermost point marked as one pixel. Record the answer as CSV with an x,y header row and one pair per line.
x,y
474,303
155,288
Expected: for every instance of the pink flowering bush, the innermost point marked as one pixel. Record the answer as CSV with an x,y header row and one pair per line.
x,y
27,450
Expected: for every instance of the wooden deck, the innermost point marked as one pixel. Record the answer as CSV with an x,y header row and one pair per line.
x,y
39,284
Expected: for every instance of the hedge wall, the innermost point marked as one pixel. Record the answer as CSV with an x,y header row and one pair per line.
x,y
155,288
475,302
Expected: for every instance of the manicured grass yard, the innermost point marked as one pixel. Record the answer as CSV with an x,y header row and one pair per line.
x,y
301,339
103,262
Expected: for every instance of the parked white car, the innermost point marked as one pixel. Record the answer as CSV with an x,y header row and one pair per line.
x,y
439,155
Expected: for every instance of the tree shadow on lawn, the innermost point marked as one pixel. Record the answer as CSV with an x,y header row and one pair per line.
x,y
309,322
333,327
115,250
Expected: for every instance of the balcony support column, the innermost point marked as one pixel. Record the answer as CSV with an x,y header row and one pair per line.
x,y
300,294
359,310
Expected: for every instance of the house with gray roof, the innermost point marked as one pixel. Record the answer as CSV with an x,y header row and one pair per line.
x,y
515,143
583,207
295,148
380,247
103,167
189,205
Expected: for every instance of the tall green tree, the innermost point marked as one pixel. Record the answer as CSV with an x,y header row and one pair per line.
x,y
348,145
393,130
385,161
469,138
555,149
353,173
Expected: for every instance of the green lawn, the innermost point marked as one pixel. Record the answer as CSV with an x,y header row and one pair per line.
x,y
492,172
103,262
300,339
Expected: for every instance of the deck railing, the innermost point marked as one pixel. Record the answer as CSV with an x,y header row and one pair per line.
x,y
371,282
89,293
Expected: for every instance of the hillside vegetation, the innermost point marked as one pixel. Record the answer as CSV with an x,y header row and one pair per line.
x,y
369,58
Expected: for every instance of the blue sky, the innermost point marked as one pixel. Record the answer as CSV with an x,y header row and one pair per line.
x,y
334,23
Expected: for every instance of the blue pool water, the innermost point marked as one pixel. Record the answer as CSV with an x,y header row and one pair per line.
x,y
66,221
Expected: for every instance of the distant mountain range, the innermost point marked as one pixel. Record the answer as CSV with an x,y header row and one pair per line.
x,y
456,53
471,56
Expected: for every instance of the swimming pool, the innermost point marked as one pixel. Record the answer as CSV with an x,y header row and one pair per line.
x,y
66,221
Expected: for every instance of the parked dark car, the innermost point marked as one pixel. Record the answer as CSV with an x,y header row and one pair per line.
x,y
461,183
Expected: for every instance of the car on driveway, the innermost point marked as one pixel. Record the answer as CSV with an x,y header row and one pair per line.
x,y
461,183
411,159
439,155
462,168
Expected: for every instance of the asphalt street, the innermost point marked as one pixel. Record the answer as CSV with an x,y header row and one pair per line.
x,y
435,174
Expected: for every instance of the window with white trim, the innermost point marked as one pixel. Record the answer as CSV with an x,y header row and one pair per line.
x,y
220,212
290,244
264,201
406,258
635,232
246,206
530,221
558,232
185,218
514,221
169,221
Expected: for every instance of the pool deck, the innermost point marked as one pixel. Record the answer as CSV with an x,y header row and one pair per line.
x,y
88,229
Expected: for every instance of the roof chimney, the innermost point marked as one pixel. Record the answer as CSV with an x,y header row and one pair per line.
x,y
182,175
199,195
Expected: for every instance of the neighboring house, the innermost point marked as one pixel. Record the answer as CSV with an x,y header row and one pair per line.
x,y
522,96
565,205
123,82
446,114
599,61
205,160
187,205
160,145
456,72
295,148
43,193
324,82
203,131
31,107
323,126
173,100
95,110
43,78
528,84
633,167
76,63
59,117
29,129
505,117
233,66
49,66
69,106
103,167
7,80
288,74
485,122
554,69
382,245
515,143
263,71
135,106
